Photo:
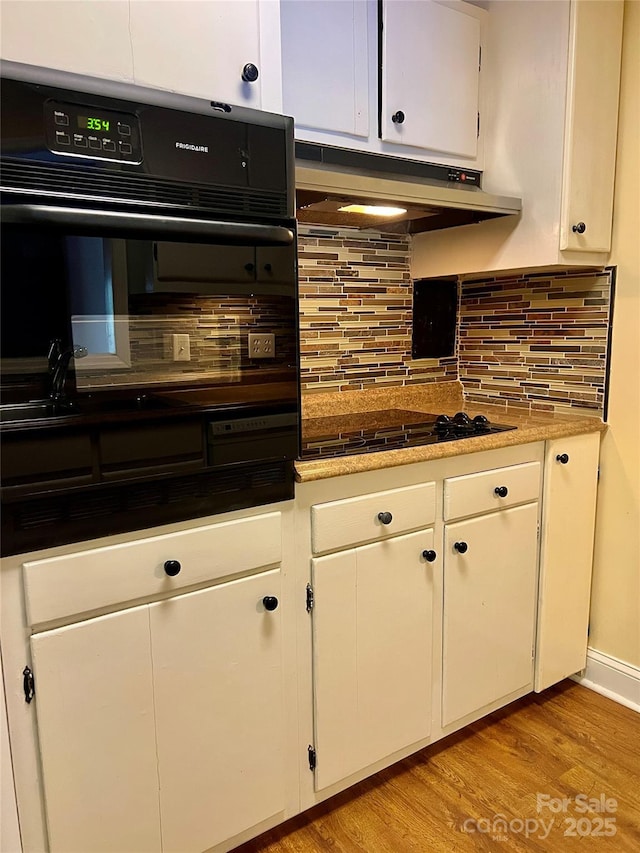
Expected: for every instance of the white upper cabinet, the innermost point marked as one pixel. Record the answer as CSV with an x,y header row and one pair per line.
x,y
350,66
431,63
552,75
207,49
210,50
324,65
91,37
591,126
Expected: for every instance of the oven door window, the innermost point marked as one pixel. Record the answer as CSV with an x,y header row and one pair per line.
x,y
64,287
148,313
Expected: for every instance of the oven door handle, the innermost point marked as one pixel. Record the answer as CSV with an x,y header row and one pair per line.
x,y
155,226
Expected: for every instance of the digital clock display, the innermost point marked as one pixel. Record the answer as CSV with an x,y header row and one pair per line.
x,y
94,123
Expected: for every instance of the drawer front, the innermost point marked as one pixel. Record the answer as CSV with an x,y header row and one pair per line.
x,y
60,587
491,490
355,521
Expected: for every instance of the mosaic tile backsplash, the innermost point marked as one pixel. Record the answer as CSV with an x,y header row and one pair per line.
x,y
355,313
536,341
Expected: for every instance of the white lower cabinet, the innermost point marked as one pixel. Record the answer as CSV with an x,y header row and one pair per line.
x,y
490,575
161,727
372,628
94,705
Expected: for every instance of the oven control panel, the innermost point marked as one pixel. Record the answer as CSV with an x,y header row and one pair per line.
x,y
86,131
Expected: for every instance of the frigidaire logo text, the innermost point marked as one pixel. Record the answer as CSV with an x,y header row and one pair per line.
x,y
204,149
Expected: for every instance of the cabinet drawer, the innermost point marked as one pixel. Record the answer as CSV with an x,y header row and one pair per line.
x,y
355,521
491,490
60,587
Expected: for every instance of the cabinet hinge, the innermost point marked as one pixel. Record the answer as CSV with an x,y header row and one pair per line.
x,y
598,477
478,125
310,598
28,684
480,58
312,757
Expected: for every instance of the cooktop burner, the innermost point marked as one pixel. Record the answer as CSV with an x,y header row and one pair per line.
x,y
392,429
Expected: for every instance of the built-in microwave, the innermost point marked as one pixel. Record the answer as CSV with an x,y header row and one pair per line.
x,y
149,345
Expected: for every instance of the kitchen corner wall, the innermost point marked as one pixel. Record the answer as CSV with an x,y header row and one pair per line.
x,y
533,341
355,313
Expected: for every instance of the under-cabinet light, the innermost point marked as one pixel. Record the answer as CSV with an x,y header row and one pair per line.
x,y
372,210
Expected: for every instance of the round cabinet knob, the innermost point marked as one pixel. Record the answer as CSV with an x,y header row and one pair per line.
x,y
398,118
501,491
429,556
172,568
563,458
270,602
385,517
579,228
461,547
268,268
249,267
250,73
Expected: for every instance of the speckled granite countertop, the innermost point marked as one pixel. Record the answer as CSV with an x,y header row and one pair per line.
x,y
442,398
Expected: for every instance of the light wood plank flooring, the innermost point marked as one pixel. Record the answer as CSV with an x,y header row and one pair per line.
x,y
565,742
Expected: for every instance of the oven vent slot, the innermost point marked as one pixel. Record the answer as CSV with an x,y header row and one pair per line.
x,y
131,189
77,514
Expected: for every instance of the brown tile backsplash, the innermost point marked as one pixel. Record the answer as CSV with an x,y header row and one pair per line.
x,y
355,313
537,343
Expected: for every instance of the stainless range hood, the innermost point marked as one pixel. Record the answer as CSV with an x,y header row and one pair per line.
x,y
431,197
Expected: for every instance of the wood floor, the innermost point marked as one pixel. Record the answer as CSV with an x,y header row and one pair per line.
x,y
565,742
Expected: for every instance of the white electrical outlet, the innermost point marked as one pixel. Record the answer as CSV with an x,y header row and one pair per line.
x,y
262,345
180,348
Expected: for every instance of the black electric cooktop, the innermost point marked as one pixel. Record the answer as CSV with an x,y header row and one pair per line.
x,y
391,429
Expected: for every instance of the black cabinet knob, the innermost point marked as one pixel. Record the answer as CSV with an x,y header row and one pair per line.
x,y
172,568
270,602
501,491
249,267
268,268
579,228
250,73
429,556
563,458
385,517
398,118
461,547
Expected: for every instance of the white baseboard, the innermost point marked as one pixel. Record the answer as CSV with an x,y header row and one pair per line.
x,y
611,677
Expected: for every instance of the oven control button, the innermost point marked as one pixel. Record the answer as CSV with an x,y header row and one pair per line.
x,y
124,129
443,420
61,118
125,148
108,145
95,143
481,420
62,138
80,141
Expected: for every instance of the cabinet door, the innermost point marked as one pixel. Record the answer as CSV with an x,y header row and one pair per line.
x,y
566,557
219,711
94,703
91,37
198,48
372,642
591,125
430,76
325,64
489,609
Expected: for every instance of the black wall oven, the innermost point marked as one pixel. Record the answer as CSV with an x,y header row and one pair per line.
x,y
149,344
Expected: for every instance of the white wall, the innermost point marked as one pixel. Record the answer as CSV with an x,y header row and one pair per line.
x,y
615,604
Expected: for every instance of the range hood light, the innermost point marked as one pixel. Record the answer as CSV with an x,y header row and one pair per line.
x,y
373,210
